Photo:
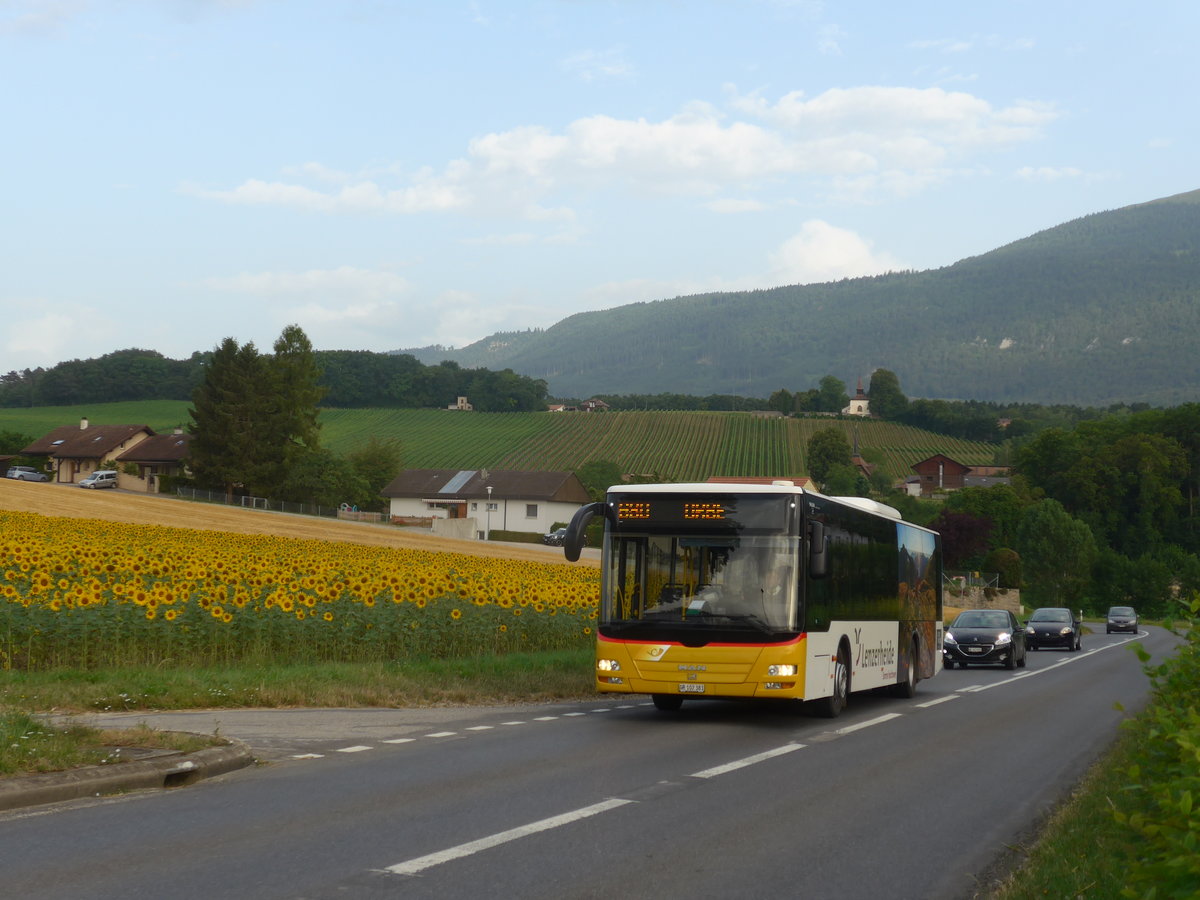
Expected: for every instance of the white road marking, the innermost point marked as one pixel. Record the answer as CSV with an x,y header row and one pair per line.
x,y
937,701
357,748
400,741
413,866
747,761
441,734
308,756
867,724
480,728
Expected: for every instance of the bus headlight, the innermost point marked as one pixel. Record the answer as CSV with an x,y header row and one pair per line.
x,y
608,665
781,670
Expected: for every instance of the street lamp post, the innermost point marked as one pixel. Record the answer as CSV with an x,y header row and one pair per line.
x,y
487,534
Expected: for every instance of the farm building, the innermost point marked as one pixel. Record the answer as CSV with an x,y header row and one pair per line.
x,y
498,500
939,473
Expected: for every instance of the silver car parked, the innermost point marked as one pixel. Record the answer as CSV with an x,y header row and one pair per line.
x,y
26,473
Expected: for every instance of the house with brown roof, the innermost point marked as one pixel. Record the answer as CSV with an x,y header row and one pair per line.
x,y
157,456
75,451
497,500
940,473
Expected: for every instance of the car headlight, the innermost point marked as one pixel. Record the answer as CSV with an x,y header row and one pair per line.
x,y
1003,638
1066,629
1031,630
948,638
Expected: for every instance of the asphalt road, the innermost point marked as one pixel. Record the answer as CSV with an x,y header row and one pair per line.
x,y
898,798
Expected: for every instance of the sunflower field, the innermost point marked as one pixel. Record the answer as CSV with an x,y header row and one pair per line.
x,y
83,593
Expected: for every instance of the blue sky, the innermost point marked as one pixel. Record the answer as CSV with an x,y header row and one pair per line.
x,y
394,174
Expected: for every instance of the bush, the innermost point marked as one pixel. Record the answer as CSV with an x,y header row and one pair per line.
x,y
1166,781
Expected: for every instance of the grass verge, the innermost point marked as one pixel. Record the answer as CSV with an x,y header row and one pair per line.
x,y
486,680
1131,830
29,745
1082,851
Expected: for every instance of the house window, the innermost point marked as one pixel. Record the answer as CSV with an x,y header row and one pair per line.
x,y
474,506
493,507
531,510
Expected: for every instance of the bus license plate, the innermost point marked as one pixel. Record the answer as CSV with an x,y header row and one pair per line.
x,y
687,688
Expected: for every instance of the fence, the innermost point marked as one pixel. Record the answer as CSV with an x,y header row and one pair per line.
x,y
962,581
304,509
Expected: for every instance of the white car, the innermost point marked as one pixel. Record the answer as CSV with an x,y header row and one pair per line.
x,y
105,478
26,473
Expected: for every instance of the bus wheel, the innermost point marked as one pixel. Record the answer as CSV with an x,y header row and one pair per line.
x,y
908,687
667,702
831,707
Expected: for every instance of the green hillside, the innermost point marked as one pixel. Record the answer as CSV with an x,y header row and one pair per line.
x,y
674,446
1100,310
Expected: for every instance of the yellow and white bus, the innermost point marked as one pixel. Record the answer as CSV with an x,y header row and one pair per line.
x,y
773,590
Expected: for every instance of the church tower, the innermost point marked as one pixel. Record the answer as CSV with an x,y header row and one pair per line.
x,y
858,403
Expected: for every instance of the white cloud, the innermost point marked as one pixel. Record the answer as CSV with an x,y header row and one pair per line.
x,y
38,16
829,40
426,195
819,252
900,137
1048,173
51,333
822,252
731,205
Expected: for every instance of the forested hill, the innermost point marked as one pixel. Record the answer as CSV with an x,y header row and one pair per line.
x,y
1103,309
349,378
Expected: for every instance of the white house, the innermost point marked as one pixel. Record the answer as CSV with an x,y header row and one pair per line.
x,y
498,500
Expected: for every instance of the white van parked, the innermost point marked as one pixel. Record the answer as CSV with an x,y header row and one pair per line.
x,y
105,478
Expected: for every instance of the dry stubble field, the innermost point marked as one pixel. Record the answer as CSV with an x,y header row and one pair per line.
x,y
141,509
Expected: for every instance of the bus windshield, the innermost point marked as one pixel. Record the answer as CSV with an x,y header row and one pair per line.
x,y
660,584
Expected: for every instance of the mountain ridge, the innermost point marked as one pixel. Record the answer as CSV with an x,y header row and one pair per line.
x,y
1101,309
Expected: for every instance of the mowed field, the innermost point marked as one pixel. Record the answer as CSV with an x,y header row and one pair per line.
x,y
139,509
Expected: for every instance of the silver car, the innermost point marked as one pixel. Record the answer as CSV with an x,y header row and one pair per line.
x,y
26,473
1121,618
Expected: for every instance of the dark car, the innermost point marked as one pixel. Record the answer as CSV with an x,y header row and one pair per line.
x,y
1053,626
555,538
26,473
1121,618
984,636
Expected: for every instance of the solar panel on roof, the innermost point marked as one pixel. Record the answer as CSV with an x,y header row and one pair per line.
x,y
455,484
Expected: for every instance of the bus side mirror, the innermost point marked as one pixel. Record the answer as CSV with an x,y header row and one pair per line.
x,y
573,541
818,550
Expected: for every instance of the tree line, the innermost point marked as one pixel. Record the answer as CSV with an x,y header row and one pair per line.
x,y
349,378
1100,514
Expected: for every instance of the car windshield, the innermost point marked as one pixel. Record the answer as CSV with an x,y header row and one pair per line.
x,y
976,619
1121,611
1051,615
